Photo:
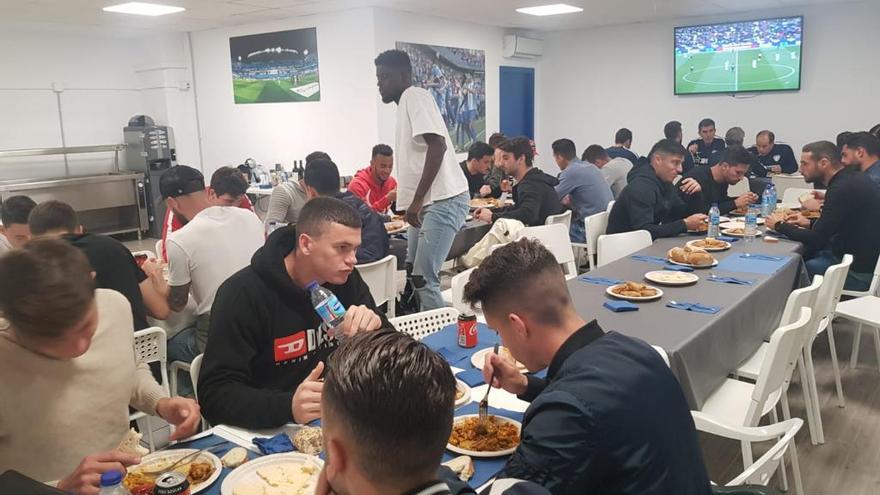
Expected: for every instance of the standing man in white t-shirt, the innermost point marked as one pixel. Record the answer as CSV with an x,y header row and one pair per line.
x,y
431,186
214,243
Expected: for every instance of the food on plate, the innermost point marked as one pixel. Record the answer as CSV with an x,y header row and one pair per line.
x,y
485,203
234,458
196,471
736,231
667,277
490,436
504,353
397,218
394,226
462,465
249,489
308,440
280,479
740,210
634,289
812,214
709,243
690,256
131,444
459,391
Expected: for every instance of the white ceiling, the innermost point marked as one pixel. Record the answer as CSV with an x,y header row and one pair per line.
x,y
207,14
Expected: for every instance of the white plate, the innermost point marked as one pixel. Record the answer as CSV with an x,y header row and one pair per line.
x,y
667,277
714,263
172,456
467,393
658,295
738,224
395,227
247,472
711,250
733,234
478,357
474,453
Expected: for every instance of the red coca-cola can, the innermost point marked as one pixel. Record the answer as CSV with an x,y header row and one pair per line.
x,y
172,483
467,330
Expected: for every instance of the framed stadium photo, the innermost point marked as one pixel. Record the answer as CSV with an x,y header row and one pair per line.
x,y
735,57
456,78
275,67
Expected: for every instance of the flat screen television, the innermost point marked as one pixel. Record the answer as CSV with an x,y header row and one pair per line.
x,y
735,57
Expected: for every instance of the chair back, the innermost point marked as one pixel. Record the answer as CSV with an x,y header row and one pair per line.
x,y
594,226
662,353
832,286
800,298
563,218
740,187
785,182
379,277
458,282
194,369
151,346
420,325
783,351
873,289
610,205
555,239
611,247
793,194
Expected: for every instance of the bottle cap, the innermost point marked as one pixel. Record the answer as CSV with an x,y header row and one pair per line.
x,y
312,285
111,478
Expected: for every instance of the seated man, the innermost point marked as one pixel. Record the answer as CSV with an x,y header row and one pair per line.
x,y
388,405
581,186
115,268
861,151
672,130
228,188
732,167
267,349
374,184
613,170
288,198
217,242
68,372
707,145
495,178
14,232
773,157
610,417
849,223
623,139
322,179
650,201
533,195
476,170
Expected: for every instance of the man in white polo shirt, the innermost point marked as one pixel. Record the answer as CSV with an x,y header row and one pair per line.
x,y
430,184
215,242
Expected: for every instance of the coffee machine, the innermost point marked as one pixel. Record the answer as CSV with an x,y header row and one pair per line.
x,y
150,150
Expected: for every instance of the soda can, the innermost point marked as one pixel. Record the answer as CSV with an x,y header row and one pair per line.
x,y
172,483
467,331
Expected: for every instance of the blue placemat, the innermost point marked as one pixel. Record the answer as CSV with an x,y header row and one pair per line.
x,y
761,264
473,377
446,343
593,279
484,467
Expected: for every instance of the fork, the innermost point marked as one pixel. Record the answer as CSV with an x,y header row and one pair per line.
x,y
184,459
484,404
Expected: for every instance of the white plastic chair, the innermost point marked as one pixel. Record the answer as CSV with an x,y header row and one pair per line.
x,y
739,188
751,367
594,226
555,239
380,278
793,195
420,325
610,205
744,404
662,353
863,310
150,346
826,302
760,472
611,247
563,218
457,290
784,182
194,369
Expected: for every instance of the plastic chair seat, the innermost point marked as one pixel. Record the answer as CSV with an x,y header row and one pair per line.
x,y
730,402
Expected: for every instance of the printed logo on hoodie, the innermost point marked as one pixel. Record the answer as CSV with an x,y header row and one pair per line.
x,y
296,346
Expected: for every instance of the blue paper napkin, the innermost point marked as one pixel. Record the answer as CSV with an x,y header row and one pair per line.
x,y
472,377
649,259
727,238
731,280
677,268
274,445
599,280
453,355
695,307
620,306
761,257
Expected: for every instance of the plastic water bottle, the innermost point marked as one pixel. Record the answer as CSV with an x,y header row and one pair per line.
x,y
765,201
773,197
111,484
326,304
714,221
751,228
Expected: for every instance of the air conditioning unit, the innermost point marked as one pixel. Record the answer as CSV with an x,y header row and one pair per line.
x,y
522,47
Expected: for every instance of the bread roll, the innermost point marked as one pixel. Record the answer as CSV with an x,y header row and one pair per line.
x,y
701,259
677,254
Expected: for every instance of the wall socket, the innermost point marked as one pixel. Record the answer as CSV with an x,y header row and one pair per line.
x,y
184,85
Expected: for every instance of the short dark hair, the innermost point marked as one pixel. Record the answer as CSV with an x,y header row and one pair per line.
x,y
323,176
45,288
875,130
593,153
519,146
667,147
52,215
181,180
382,149
706,123
823,149
769,134
736,155
228,180
395,59
622,135
672,129
564,148
497,281
496,139
318,212
868,141
316,155
395,397
16,210
478,150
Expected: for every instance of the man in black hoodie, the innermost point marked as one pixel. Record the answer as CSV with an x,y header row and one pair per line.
x,y
534,195
650,201
264,360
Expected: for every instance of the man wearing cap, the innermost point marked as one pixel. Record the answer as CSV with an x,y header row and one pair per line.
x,y
217,242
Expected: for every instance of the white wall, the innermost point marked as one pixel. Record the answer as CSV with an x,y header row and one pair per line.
x,y
594,82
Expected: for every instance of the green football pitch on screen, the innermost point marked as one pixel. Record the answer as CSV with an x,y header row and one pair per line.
x,y
274,90
731,71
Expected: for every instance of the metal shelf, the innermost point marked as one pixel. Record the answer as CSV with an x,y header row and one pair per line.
x,y
70,150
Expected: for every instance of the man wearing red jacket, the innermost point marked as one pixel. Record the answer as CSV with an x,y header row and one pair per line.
x,y
374,184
